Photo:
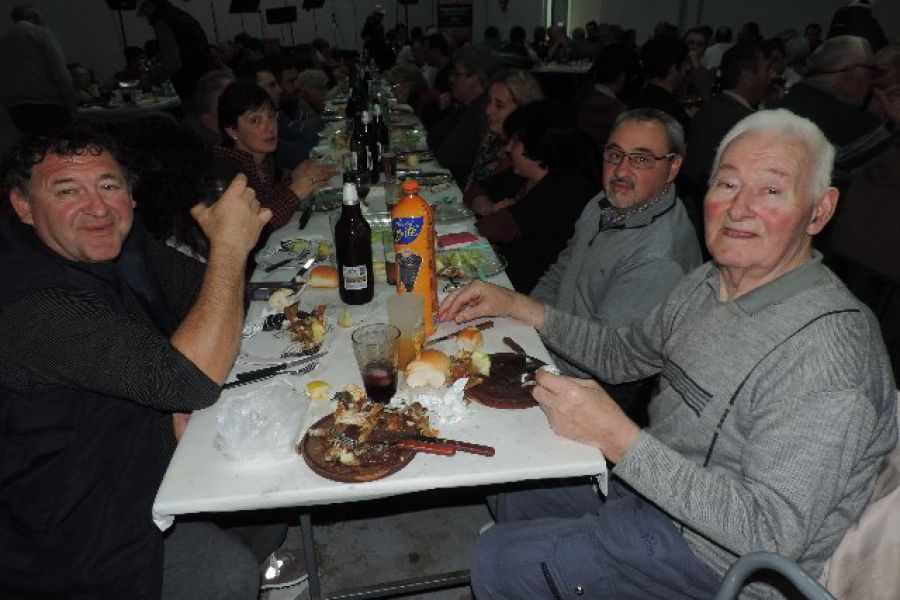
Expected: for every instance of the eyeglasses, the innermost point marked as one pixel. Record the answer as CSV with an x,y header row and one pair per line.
x,y
638,160
874,70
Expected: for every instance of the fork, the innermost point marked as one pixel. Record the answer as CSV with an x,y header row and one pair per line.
x,y
305,369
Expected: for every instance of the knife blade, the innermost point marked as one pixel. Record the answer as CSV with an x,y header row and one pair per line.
x,y
255,378
279,367
277,265
304,268
481,326
281,263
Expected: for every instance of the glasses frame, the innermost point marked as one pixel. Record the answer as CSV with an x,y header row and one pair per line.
x,y
632,157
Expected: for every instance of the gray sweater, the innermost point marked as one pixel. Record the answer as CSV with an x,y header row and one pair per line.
x,y
616,274
773,415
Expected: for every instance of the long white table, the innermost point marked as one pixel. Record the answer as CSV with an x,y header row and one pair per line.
x,y
200,478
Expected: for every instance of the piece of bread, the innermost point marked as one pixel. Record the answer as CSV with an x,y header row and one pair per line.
x,y
470,339
323,276
430,369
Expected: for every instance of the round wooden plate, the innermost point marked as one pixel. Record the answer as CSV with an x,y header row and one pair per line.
x,y
504,387
313,450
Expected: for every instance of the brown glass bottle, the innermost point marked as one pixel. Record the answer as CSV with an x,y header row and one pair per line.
x,y
353,247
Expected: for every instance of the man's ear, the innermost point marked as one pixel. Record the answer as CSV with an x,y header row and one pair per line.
x,y
823,211
22,205
674,167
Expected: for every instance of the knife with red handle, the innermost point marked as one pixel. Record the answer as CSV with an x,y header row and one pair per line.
x,y
457,445
426,446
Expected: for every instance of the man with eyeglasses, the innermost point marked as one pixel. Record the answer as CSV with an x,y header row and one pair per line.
x,y
775,411
632,244
833,94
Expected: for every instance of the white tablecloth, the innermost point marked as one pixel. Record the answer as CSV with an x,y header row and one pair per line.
x,y
201,479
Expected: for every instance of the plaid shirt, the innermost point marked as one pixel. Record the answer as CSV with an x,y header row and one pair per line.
x,y
276,196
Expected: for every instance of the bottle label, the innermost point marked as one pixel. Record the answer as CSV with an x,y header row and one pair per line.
x,y
356,278
407,229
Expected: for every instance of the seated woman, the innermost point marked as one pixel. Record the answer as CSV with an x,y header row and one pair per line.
x,y
249,125
531,223
411,88
509,89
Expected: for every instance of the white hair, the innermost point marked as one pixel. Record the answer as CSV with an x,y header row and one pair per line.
x,y
781,122
838,52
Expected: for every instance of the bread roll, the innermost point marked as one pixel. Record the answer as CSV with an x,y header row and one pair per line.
x,y
430,369
323,276
470,339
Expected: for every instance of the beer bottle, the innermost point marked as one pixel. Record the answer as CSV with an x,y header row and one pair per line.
x,y
381,129
412,221
359,144
371,135
353,248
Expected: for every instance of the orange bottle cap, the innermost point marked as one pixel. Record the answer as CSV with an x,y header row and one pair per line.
x,y
410,186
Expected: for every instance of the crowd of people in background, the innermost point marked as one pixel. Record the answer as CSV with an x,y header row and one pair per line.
x,y
595,197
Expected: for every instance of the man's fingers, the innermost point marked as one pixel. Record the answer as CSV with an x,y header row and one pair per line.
x,y
264,216
237,185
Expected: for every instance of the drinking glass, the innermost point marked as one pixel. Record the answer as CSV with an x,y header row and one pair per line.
x,y
375,348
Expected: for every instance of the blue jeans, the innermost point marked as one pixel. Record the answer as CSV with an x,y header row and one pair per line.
x,y
567,542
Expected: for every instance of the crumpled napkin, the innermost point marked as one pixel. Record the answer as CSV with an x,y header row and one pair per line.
x,y
445,407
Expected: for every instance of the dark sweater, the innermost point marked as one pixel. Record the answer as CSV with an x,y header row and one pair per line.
x,y
531,234
88,380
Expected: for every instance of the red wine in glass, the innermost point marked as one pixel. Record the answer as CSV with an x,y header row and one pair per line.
x,y
380,381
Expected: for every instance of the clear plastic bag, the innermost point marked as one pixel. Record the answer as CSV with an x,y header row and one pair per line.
x,y
260,425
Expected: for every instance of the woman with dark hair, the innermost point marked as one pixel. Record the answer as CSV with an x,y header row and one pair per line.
x,y
534,216
249,125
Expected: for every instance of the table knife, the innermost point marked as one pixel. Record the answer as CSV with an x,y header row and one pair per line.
x,y
279,367
281,263
458,445
304,217
482,326
304,268
255,378
278,265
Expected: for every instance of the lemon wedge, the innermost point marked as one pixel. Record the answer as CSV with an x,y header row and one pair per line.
x,y
318,390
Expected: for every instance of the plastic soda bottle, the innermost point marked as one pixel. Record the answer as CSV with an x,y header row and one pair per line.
x,y
412,221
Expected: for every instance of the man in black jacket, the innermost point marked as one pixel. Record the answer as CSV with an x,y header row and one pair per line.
x,y
107,339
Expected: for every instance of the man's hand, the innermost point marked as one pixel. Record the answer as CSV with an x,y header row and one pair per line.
x,y
579,409
505,203
480,299
235,220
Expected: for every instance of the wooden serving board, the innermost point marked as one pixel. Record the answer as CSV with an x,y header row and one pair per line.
x,y
505,387
388,460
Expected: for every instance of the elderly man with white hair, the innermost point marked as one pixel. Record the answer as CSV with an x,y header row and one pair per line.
x,y
775,408
312,88
838,80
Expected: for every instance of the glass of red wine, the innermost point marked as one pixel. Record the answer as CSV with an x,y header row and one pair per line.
x,y
375,348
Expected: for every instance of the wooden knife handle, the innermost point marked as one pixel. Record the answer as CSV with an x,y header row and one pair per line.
x,y
427,447
472,448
